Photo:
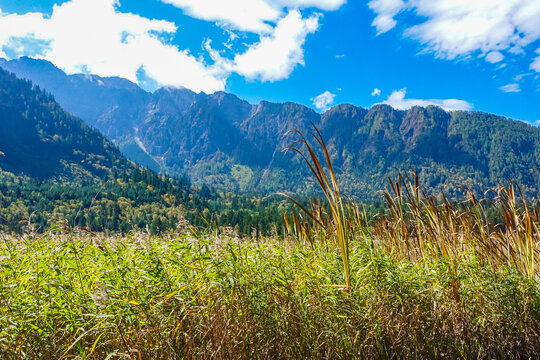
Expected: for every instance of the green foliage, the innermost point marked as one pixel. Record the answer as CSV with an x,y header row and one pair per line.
x,y
93,297
132,202
38,138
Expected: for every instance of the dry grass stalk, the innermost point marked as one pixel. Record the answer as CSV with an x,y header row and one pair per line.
x,y
335,223
416,225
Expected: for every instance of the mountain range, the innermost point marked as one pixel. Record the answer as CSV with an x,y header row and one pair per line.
x,y
224,141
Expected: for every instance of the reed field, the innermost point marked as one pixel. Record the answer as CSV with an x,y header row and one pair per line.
x,y
428,278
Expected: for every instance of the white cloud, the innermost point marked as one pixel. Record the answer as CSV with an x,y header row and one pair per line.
x,y
520,77
328,5
93,36
275,56
460,28
376,92
510,88
398,101
324,100
385,10
340,56
248,15
536,63
244,15
494,57
537,122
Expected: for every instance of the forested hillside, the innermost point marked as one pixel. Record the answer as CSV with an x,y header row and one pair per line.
x,y
223,141
140,201
55,170
39,139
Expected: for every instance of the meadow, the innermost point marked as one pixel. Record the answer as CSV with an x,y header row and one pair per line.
x,y
428,278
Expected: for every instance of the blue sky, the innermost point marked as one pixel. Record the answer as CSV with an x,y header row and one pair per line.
x,y
459,54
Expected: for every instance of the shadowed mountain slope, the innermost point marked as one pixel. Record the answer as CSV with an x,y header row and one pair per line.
x,y
39,139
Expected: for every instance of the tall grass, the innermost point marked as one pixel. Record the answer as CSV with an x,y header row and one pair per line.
x,y
333,223
419,226
428,278
88,296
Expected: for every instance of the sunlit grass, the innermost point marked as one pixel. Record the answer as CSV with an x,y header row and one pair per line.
x,y
419,225
89,297
428,278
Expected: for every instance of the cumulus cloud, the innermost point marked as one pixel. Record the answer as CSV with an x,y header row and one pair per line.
x,y
376,92
93,36
494,57
398,101
510,88
248,15
280,25
385,10
276,55
459,28
324,100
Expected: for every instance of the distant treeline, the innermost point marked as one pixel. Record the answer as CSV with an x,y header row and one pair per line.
x,y
138,200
